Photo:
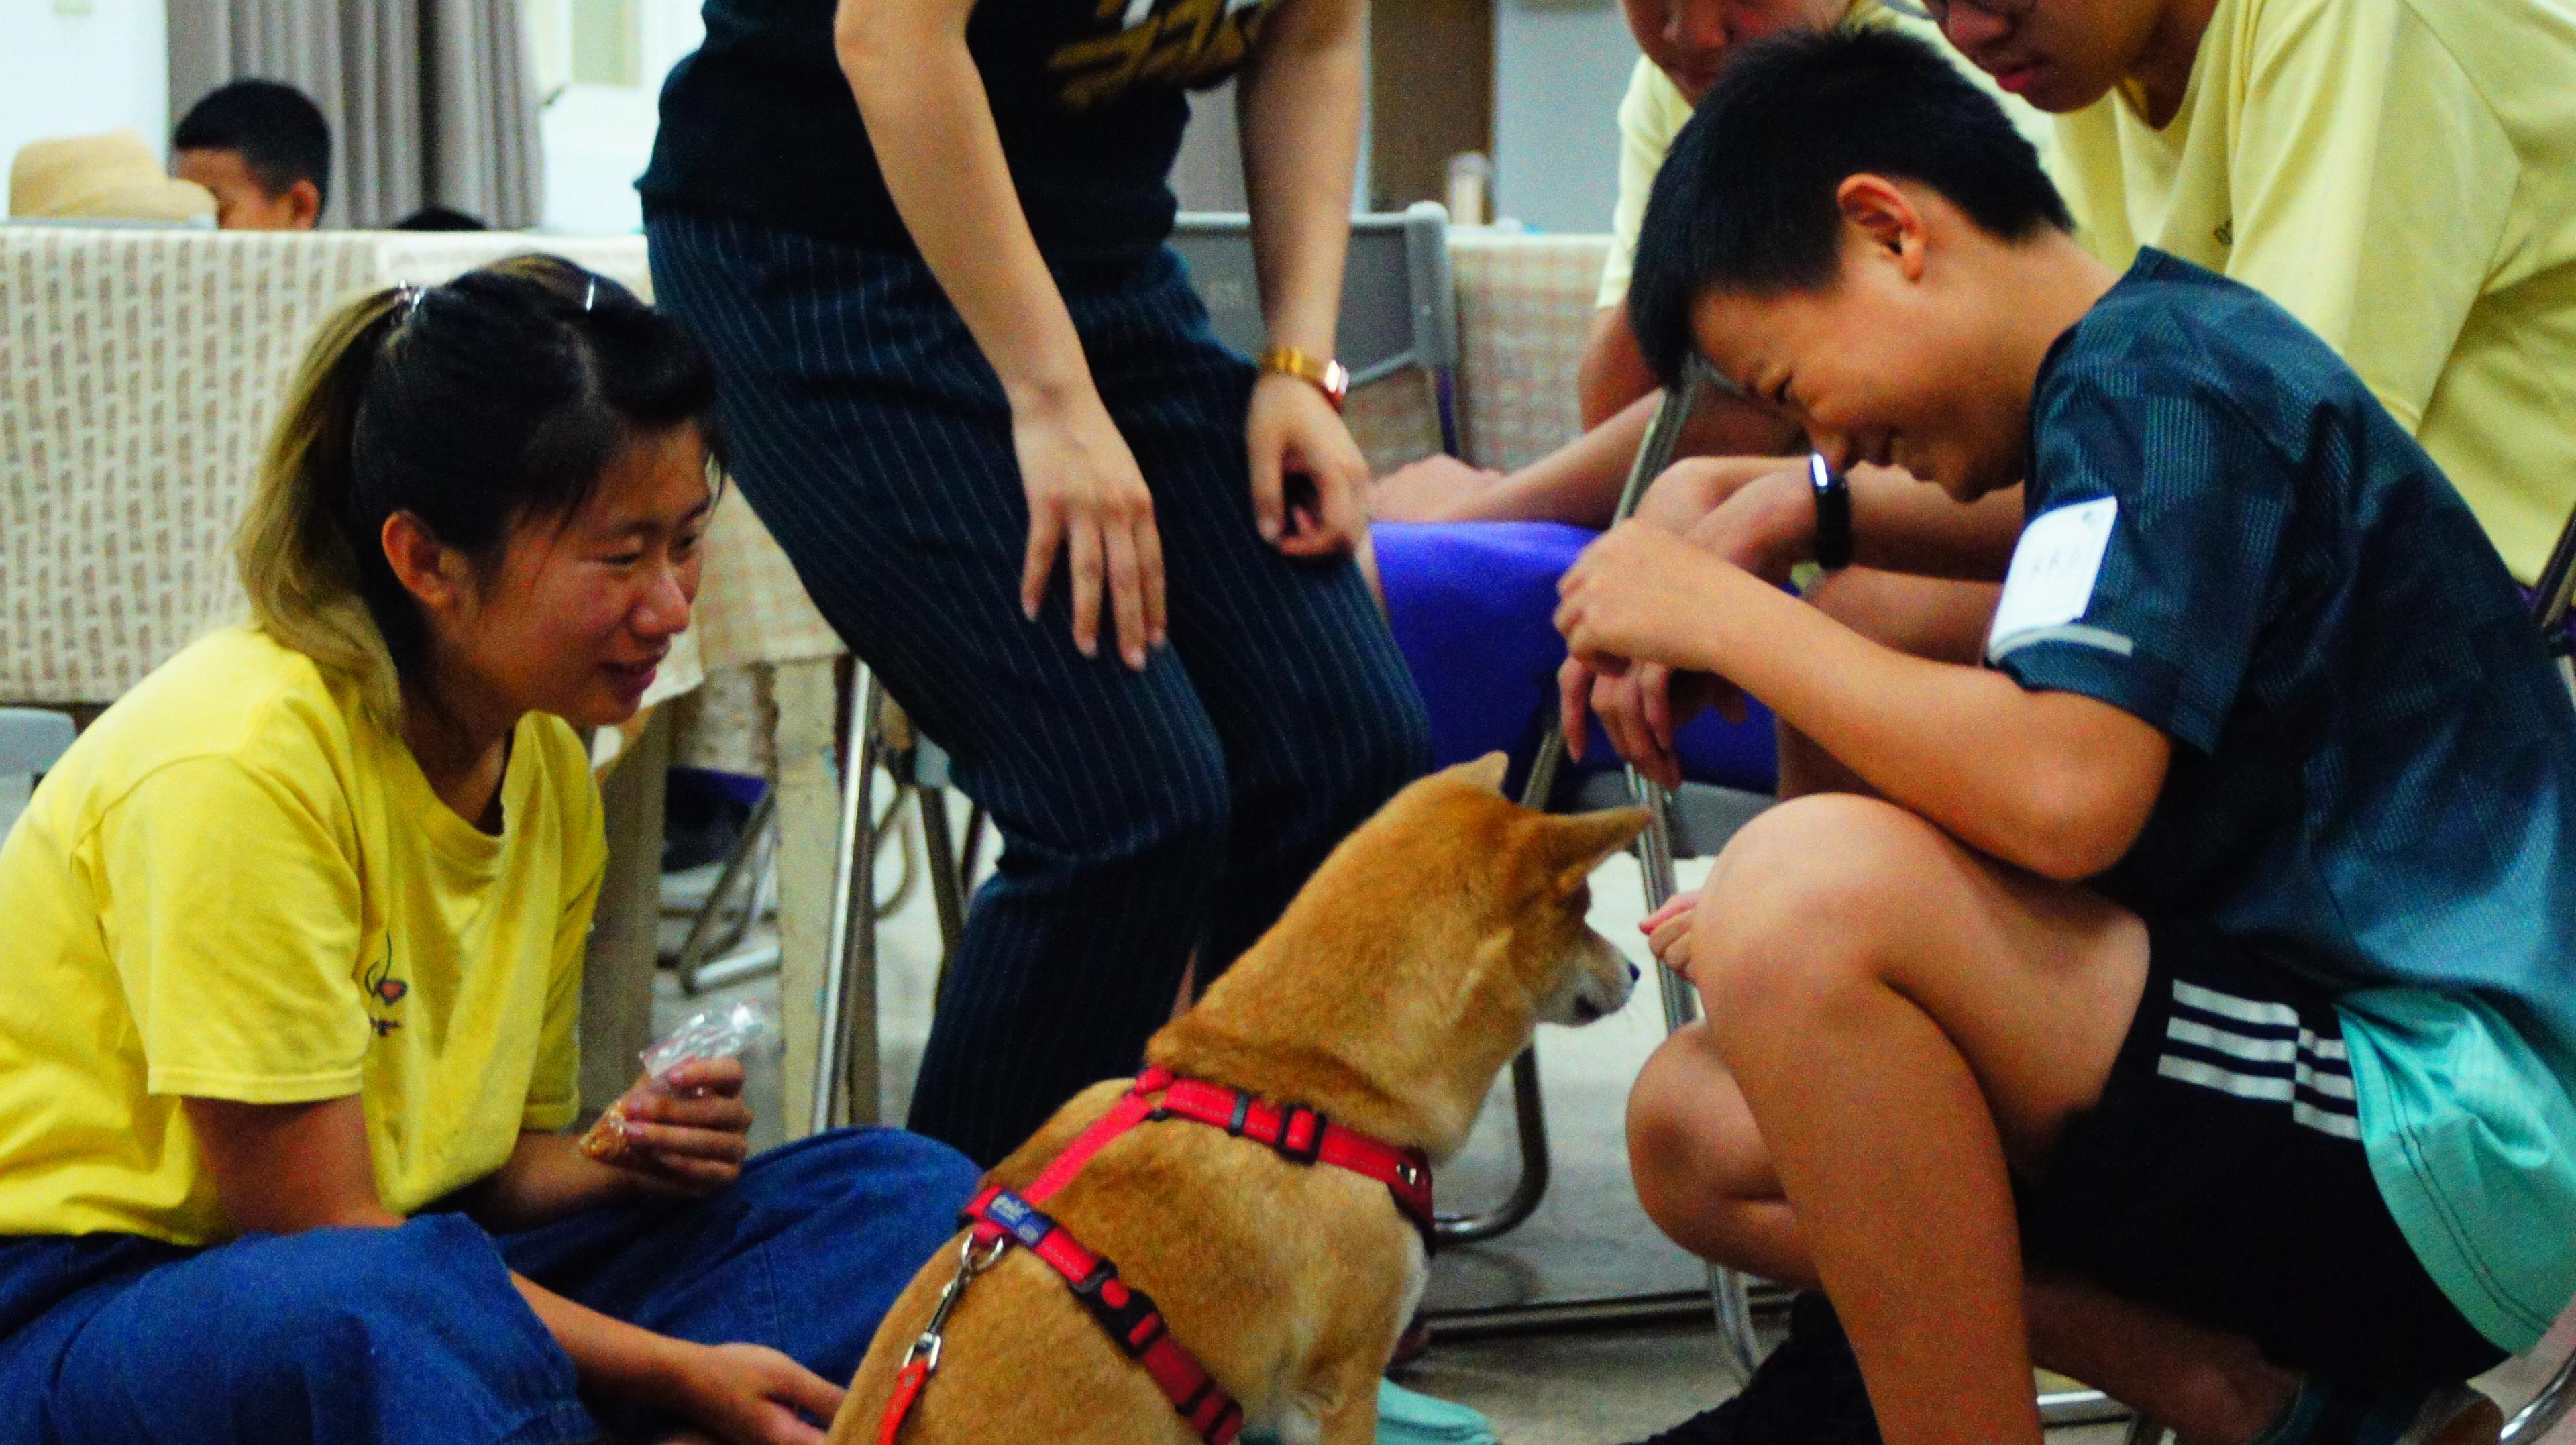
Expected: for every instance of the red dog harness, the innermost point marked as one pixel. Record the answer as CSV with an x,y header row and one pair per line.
x,y
998,1219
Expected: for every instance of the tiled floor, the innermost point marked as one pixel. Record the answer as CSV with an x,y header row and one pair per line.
x,y
1589,1238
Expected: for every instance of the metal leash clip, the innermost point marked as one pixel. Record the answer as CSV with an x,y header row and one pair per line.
x,y
925,1349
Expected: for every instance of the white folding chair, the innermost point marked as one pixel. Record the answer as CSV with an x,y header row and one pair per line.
x,y
1399,310
31,742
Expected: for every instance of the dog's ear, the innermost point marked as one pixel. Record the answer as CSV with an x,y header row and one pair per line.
x,y
1485,773
1571,847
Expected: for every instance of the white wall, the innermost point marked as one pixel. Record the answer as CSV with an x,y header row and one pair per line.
x,y
1560,67
77,74
597,138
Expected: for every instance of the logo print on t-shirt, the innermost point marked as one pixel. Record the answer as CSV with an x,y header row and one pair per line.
x,y
385,989
1191,42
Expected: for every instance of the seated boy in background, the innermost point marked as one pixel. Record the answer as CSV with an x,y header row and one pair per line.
x,y
2190,1009
264,149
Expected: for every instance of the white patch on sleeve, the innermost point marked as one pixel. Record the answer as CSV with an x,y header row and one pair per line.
x,y
2054,566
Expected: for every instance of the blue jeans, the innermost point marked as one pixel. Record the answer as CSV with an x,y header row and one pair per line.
x,y
415,1336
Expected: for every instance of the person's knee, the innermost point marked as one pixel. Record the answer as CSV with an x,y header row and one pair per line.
x,y
1672,1152
1802,903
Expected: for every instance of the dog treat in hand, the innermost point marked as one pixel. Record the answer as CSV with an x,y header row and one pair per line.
x,y
711,1034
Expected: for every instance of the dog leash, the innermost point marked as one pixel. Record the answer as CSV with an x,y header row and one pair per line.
x,y
998,1219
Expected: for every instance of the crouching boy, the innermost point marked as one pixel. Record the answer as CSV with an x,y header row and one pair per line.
x,y
2191,1007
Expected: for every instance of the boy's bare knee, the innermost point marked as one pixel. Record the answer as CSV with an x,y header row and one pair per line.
x,y
1681,1150
1811,897
1924,616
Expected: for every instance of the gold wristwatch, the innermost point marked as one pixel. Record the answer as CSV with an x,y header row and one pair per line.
x,y
1326,375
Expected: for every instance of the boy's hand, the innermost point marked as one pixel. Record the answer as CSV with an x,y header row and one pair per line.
x,y
1638,595
1642,711
688,1133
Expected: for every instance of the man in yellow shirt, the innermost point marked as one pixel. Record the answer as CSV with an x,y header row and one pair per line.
x,y
2399,175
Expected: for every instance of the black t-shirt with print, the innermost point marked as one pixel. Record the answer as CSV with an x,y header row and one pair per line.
x,y
1087,95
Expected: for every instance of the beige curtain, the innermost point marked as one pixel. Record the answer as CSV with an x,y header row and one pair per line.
x,y
429,100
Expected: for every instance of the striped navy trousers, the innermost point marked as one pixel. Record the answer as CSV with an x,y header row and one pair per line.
x,y
1145,816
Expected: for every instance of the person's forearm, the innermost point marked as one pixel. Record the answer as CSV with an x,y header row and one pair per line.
x,y
1299,107
1578,482
1900,524
608,1354
932,128
2005,770
547,1178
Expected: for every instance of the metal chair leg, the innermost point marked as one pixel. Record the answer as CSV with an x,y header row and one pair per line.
x,y
1529,1105
850,948
2546,1409
947,881
757,844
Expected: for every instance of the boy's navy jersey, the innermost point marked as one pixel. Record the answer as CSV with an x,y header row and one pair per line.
x,y
2374,765
1087,95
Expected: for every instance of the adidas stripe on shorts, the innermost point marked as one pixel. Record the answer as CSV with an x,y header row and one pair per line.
x,y
2222,1177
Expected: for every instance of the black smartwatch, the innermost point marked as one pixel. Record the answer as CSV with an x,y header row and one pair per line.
x,y
1833,513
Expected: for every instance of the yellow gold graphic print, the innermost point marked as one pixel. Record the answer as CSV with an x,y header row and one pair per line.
x,y
1174,42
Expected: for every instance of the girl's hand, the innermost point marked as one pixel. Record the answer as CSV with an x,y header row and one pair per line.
x,y
1087,498
750,1395
1293,432
1639,594
688,1134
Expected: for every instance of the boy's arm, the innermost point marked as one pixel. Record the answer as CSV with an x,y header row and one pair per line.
x,y
1899,524
2054,782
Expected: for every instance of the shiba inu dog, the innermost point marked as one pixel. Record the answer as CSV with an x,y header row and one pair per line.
x,y
1415,963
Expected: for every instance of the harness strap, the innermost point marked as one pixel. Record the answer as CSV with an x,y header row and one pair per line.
x,y
1127,1313
1301,1135
999,1217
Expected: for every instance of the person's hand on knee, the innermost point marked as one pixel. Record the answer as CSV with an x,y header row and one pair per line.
x,y
1429,490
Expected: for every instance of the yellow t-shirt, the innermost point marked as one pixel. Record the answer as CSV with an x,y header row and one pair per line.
x,y
2402,178
236,887
1654,110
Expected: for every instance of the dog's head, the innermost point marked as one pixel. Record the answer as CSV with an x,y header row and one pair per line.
x,y
1426,949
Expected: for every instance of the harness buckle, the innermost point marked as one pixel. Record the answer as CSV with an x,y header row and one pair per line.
x,y
1124,1311
1291,1118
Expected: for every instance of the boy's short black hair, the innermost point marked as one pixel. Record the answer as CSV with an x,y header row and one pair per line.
x,y
1745,200
279,131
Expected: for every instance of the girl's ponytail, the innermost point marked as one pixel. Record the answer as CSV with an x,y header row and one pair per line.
x,y
296,556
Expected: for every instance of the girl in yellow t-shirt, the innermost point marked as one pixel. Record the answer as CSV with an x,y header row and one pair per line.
x,y
293,954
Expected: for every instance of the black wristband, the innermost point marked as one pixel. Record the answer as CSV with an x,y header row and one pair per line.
x,y
1833,514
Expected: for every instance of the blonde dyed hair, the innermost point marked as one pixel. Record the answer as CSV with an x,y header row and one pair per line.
x,y
294,550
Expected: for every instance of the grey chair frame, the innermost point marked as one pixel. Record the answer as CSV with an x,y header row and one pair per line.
x,y
32,740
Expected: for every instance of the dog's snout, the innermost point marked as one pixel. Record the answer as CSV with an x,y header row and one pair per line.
x,y
1634,974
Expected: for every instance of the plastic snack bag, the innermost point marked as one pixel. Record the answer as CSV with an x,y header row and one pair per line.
x,y
718,1033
